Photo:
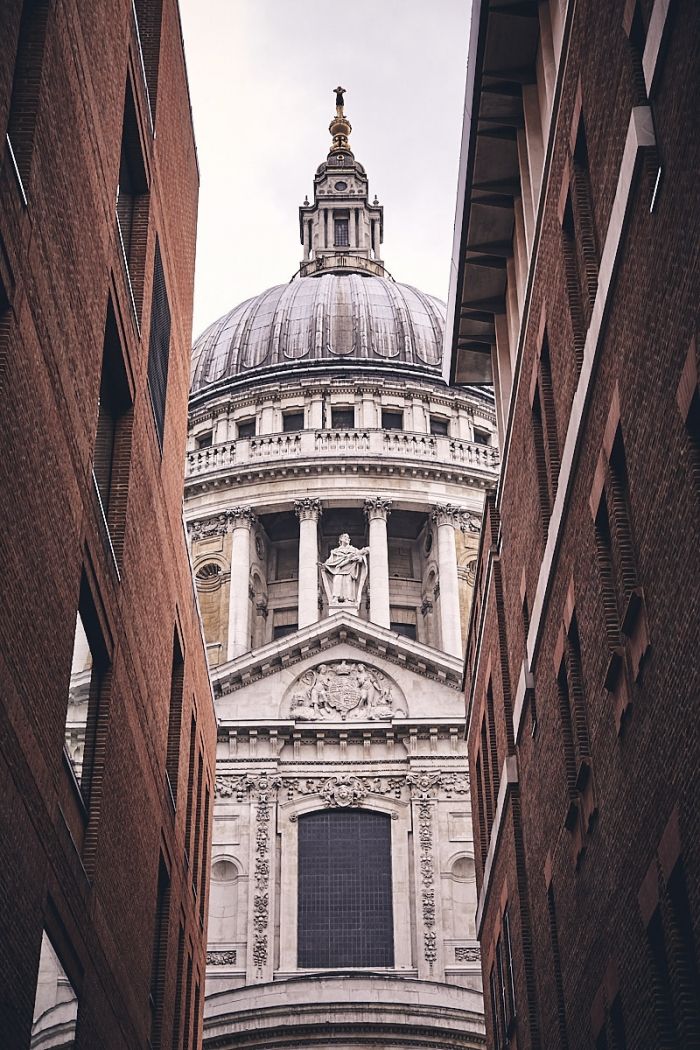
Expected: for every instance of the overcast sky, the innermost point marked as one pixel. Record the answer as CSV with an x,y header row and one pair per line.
x,y
262,74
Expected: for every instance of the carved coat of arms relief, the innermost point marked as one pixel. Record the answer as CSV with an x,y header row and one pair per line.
x,y
344,691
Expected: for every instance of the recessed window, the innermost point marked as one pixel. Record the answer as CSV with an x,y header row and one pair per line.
x,y
89,666
159,345
204,440
246,428
342,232
281,630
343,418
345,915
438,425
132,201
292,421
481,437
406,630
392,420
112,454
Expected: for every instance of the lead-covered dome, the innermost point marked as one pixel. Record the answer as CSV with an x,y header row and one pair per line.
x,y
322,320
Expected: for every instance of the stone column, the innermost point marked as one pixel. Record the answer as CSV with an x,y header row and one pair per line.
x,y
240,522
308,511
446,517
377,510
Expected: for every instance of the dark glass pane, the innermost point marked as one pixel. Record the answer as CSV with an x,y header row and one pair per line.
x,y
392,420
293,421
345,908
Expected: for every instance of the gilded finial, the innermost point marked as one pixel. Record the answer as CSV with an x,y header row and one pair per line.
x,y
340,127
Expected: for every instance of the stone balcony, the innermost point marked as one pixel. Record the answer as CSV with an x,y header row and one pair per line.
x,y
368,445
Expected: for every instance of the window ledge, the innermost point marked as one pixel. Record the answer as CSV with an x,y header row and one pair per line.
x,y
509,780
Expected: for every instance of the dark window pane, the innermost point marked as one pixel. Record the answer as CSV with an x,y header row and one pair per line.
x,y
159,345
292,421
392,420
342,239
343,417
246,428
345,906
204,440
482,437
437,425
281,630
406,630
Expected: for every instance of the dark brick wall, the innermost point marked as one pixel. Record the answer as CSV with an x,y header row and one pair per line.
x,y
59,264
645,774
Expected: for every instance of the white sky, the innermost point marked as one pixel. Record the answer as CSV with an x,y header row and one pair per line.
x,y
262,74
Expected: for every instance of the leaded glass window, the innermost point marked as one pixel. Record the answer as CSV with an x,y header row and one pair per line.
x,y
345,915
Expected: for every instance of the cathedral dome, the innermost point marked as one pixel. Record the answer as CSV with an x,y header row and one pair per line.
x,y
324,320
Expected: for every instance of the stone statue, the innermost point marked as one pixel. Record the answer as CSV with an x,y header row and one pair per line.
x,y
344,691
344,574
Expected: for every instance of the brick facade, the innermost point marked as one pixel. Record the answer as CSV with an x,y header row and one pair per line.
x,y
104,845
582,674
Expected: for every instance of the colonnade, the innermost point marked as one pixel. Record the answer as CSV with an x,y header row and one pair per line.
x,y
240,521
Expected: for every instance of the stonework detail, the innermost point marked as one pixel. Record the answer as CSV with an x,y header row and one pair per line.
x,y
343,791
221,958
344,692
459,517
423,790
308,508
377,507
344,575
265,791
470,953
221,524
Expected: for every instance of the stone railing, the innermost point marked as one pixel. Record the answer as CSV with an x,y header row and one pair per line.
x,y
437,449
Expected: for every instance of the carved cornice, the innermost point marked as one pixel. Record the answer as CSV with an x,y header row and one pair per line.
x,y
346,790
377,507
308,509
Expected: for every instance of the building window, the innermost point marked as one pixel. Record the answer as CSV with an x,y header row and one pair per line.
x,y
115,418
177,681
438,425
343,418
292,421
159,345
86,695
508,974
191,765
204,440
26,87
245,428
341,227
481,437
55,1002
345,914
284,622
148,22
400,561
392,420
159,953
405,630
546,442
287,564
132,202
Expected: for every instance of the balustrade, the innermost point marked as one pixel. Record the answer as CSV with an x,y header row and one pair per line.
x,y
366,443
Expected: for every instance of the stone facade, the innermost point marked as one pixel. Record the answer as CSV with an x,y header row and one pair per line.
x,y
333,507
582,670
101,916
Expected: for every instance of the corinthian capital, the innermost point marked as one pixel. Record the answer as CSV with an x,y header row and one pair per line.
x,y
377,507
307,508
451,514
240,518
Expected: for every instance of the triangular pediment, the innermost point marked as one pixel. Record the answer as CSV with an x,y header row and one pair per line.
x,y
319,638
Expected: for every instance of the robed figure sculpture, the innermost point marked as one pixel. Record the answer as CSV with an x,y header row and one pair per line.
x,y
344,574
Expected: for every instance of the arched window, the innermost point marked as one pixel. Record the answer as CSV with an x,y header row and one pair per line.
x,y
345,915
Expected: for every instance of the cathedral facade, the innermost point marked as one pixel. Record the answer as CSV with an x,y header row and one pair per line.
x,y
333,497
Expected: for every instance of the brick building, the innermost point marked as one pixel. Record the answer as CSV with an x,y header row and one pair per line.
x,y
576,278
107,729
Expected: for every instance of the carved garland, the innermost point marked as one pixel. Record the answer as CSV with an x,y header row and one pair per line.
x,y
346,790
263,787
423,792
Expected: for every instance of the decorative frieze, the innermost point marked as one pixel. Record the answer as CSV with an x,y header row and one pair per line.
x,y
221,524
442,784
467,953
459,517
227,958
264,788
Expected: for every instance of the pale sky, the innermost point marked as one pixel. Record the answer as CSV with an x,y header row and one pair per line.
x,y
262,74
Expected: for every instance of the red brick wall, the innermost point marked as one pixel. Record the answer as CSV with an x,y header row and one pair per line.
x,y
647,771
59,262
